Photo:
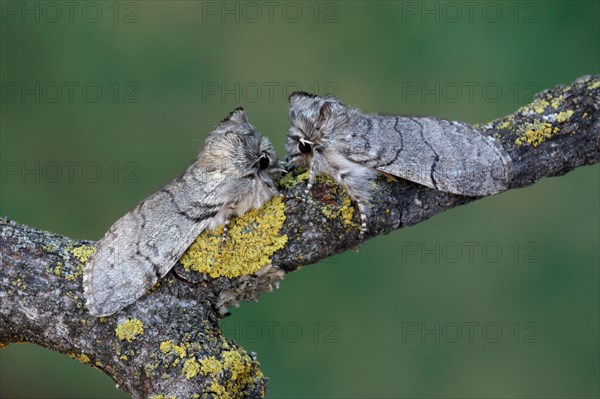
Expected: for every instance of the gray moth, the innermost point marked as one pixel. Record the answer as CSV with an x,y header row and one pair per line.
x,y
325,136
235,172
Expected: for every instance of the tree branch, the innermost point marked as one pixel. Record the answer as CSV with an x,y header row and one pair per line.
x,y
169,342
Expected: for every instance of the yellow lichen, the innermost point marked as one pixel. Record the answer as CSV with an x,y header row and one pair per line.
x,y
155,286
219,390
564,116
150,367
210,365
347,212
540,105
83,358
251,240
555,102
288,181
77,273
168,347
190,368
236,365
50,248
83,252
243,370
19,283
239,364
506,124
123,357
304,176
329,212
595,85
162,397
536,133
58,268
129,330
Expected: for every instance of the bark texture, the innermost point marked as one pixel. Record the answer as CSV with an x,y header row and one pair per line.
x,y
169,344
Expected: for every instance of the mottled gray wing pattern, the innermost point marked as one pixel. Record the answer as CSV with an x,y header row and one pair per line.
x,y
142,246
444,155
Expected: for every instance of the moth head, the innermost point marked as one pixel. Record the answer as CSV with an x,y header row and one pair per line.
x,y
261,161
236,122
236,147
315,122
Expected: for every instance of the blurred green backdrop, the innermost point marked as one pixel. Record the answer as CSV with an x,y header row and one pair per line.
x,y
103,102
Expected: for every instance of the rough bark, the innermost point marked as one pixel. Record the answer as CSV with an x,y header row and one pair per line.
x,y
168,344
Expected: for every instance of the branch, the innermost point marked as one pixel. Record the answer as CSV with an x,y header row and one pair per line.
x,y
169,343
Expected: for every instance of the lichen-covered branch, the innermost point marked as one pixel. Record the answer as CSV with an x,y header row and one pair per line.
x,y
168,344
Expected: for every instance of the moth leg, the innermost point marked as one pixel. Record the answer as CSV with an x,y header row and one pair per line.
x,y
311,180
225,231
355,184
231,207
362,208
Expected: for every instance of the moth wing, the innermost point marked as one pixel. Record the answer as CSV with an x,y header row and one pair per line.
x,y
142,246
445,155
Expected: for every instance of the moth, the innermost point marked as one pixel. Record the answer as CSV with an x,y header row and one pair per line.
x,y
235,172
325,136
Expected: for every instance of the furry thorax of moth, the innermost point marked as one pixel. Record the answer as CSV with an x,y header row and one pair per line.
x,y
327,137
234,173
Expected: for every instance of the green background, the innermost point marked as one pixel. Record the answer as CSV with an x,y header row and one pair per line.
x,y
337,327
